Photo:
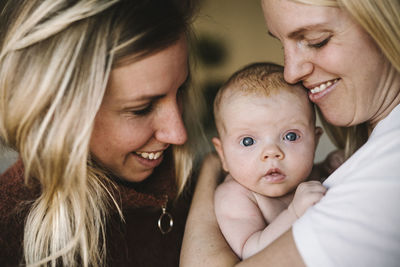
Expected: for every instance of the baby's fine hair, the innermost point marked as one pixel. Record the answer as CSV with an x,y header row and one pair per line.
x,y
261,78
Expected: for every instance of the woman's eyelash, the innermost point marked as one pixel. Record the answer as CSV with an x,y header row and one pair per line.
x,y
320,44
144,111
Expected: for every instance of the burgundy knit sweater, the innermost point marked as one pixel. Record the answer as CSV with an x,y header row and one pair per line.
x,y
135,242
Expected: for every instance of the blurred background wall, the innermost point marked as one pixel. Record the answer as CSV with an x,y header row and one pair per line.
x,y
230,34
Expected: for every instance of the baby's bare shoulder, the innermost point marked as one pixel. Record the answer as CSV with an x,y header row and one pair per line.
x,y
229,187
270,207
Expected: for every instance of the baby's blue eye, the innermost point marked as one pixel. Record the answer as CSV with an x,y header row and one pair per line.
x,y
247,141
291,136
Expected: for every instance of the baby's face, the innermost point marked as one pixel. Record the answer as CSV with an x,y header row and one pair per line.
x,y
269,142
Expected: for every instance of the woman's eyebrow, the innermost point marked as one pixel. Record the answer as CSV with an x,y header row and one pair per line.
x,y
300,32
152,97
296,34
135,99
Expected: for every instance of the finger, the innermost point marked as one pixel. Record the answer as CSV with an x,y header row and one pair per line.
x,y
311,187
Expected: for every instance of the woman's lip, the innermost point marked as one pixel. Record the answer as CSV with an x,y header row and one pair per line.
x,y
150,163
315,85
153,155
315,97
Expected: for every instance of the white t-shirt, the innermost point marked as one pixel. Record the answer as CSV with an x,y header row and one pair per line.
x,y
357,222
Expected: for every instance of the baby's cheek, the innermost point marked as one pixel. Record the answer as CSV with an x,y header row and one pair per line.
x,y
244,175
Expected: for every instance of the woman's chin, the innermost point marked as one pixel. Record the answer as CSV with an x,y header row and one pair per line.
x,y
334,117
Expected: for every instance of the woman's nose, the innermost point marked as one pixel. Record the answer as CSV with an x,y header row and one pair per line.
x,y
297,65
170,128
272,151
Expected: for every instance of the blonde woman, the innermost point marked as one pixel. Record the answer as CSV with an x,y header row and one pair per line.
x,y
346,53
91,96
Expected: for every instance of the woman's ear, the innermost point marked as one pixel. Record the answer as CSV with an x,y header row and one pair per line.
x,y
318,132
218,147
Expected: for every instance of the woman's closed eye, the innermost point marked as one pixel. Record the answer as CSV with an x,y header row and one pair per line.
x,y
143,111
319,44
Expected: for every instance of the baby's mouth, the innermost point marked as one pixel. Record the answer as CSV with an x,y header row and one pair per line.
x,y
274,171
275,175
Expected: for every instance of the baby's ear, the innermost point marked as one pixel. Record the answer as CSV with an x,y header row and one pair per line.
x,y
318,132
218,147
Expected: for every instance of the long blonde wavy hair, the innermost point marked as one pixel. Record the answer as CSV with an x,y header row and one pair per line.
x,y
55,60
381,20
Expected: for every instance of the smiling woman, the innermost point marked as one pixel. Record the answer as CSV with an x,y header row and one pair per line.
x,y
314,49
95,97
346,53
134,127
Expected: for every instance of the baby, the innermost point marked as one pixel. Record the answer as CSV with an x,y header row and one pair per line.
x,y
267,140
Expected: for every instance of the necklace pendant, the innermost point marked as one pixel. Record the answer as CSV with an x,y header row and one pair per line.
x,y
165,222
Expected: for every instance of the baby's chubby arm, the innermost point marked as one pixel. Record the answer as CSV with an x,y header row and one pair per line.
x,y
306,195
242,222
237,214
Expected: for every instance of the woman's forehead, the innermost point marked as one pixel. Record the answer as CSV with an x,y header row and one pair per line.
x,y
289,19
150,76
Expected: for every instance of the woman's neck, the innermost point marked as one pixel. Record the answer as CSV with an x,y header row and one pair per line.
x,y
391,84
